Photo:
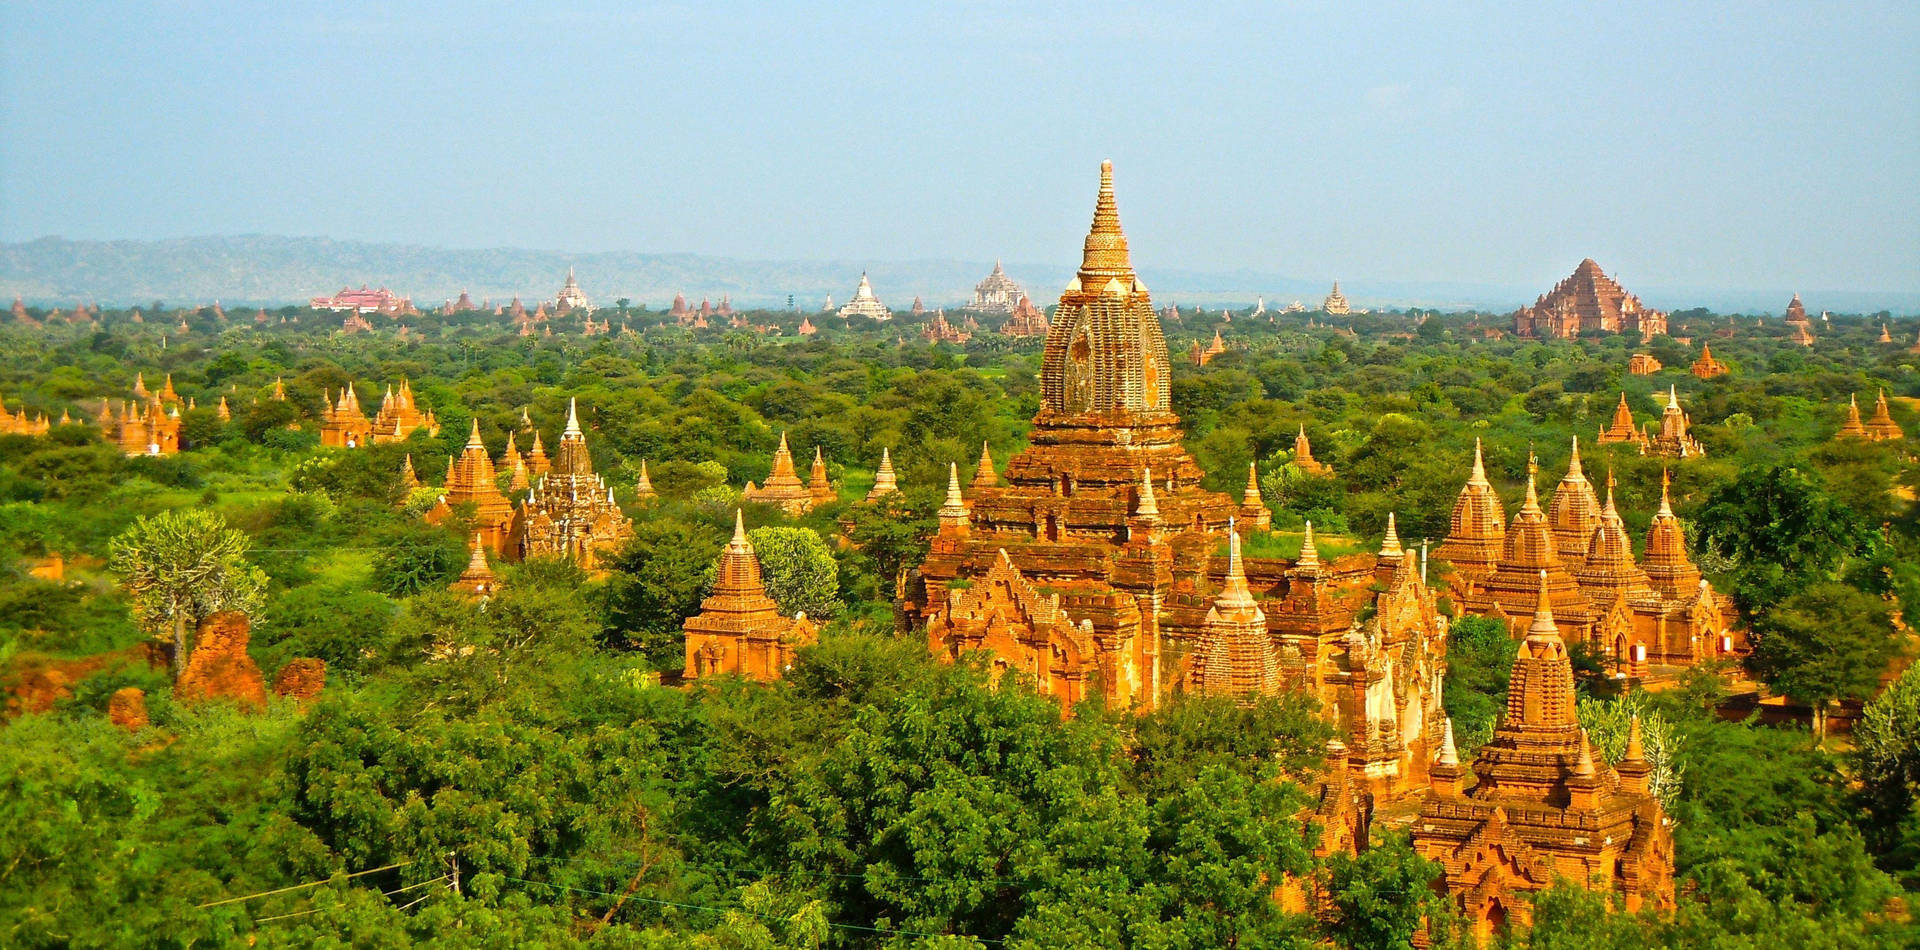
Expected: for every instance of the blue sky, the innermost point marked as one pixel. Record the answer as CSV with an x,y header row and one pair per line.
x,y
1741,145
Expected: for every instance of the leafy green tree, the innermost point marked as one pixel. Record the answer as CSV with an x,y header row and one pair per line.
x,y
1609,724
800,572
1480,655
658,579
1887,760
1382,897
1782,530
1827,642
892,537
414,558
182,566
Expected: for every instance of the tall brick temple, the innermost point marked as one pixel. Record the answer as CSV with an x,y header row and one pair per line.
x,y
1099,568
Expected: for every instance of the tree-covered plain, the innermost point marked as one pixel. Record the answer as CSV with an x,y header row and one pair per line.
x,y
527,749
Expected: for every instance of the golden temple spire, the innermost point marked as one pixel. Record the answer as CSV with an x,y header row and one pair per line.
x,y
953,513
1573,468
1584,766
1666,498
1543,625
985,476
1479,476
1309,555
884,480
1105,254
573,421
1635,750
1234,593
1251,497
473,440
1673,396
739,542
1532,502
1390,546
1449,753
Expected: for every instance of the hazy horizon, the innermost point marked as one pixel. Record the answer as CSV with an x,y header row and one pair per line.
x,y
1748,148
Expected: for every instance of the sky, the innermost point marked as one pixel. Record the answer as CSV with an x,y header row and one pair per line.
x,y
1741,145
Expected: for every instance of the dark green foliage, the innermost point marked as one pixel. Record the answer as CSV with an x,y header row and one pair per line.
x,y
1382,897
1480,655
659,578
1829,641
413,558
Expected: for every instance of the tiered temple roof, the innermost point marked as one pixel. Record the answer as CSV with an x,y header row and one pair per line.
x,y
1477,529
1674,440
938,330
1336,302
1797,312
1880,428
1588,302
739,629
571,297
342,424
1202,357
865,304
1543,806
1529,559
1574,513
1094,561
470,481
997,293
478,579
1622,428
1643,364
400,416
1706,367
1026,319
570,512
19,423
783,488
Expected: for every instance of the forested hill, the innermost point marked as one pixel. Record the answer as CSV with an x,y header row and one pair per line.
x,y
267,269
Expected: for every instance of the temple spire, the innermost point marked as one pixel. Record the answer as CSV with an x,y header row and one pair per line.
x,y
473,440
1309,555
1479,475
573,413
1666,496
1251,497
1105,253
1573,468
1234,593
1449,753
1543,624
1390,546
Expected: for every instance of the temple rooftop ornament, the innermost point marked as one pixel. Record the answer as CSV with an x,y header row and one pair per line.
x,y
884,482
1336,303
571,513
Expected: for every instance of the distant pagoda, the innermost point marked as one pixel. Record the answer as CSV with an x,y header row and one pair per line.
x,y
1336,302
865,304
997,293
1025,320
1588,302
783,488
570,297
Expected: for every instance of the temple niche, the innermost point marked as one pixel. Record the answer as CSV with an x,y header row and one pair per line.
x,y
1098,568
1543,806
739,629
1588,302
570,512
1656,611
997,293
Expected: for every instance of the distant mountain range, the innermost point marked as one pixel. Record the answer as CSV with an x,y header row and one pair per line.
x,y
250,270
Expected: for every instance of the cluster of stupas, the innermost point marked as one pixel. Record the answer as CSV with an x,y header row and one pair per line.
x,y
1674,439
1544,806
865,304
783,488
1025,320
1588,302
344,425
997,293
1093,566
149,424
1880,428
938,330
698,318
1657,611
567,511
19,423
1336,302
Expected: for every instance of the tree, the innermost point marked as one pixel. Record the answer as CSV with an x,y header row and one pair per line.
x,y
1782,531
1382,897
658,578
1827,642
889,535
1480,655
181,566
415,557
1887,754
800,573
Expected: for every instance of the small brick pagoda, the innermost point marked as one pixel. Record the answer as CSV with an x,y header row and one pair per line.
x,y
783,488
739,629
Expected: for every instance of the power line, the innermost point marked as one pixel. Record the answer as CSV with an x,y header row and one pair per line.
x,y
283,890
739,910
